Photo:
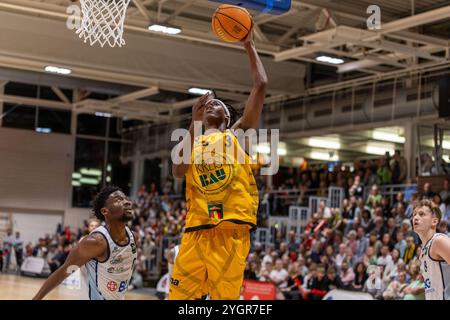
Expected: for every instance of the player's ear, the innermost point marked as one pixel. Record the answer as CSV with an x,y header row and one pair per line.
x,y
104,211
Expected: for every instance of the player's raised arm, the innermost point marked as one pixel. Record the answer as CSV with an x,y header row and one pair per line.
x,y
255,102
178,170
92,246
441,248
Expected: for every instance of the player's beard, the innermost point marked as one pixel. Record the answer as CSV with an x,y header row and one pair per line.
x,y
127,217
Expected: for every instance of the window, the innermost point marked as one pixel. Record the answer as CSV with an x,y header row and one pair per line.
x,y
19,116
87,177
91,125
117,173
55,120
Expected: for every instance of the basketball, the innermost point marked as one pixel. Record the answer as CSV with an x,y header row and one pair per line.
x,y
231,23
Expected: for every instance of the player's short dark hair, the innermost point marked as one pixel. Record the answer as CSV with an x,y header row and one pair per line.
x,y
100,200
430,205
234,113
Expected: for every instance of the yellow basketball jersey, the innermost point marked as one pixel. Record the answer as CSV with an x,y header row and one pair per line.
x,y
219,183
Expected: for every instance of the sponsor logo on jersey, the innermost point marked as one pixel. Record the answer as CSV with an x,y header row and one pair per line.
x,y
427,283
117,260
116,249
215,210
133,248
112,286
174,282
116,270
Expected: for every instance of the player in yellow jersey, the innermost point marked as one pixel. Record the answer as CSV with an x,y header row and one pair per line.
x,y
221,196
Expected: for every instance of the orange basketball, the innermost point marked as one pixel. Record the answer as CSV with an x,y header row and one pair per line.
x,y
231,23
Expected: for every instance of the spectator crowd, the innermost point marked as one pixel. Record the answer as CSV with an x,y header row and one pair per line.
x,y
366,245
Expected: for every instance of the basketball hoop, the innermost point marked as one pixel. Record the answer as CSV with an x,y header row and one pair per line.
x,y
102,21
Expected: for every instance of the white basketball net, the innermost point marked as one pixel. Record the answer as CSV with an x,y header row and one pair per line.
x,y
102,21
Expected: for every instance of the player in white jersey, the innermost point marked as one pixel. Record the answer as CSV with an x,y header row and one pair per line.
x,y
108,253
435,253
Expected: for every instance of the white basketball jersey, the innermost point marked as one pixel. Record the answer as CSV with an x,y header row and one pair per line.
x,y
436,273
109,280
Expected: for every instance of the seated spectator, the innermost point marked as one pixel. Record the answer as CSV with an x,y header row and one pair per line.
x,y
360,276
366,221
410,250
427,192
443,227
279,275
341,255
438,201
374,284
302,269
319,285
266,271
445,193
391,270
370,257
416,289
379,228
362,242
294,289
334,281
352,241
410,206
395,289
249,272
385,259
335,221
401,243
347,275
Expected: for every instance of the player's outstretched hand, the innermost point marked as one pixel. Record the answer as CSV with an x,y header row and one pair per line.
x,y
199,106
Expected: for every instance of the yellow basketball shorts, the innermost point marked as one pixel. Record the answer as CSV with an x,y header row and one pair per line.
x,y
211,261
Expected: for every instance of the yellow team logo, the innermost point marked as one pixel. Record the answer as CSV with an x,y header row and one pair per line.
x,y
212,170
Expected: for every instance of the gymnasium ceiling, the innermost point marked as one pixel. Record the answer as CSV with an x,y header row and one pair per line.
x,y
414,36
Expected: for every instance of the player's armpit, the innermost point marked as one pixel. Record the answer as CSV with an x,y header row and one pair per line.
x,y
441,248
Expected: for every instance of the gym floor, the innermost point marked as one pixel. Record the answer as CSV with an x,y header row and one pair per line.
x,y
16,287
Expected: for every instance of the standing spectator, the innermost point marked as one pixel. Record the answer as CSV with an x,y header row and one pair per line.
x,y
357,189
399,168
347,275
8,244
384,172
279,275
18,249
360,276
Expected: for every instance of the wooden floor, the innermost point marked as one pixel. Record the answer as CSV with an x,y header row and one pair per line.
x,y
24,288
